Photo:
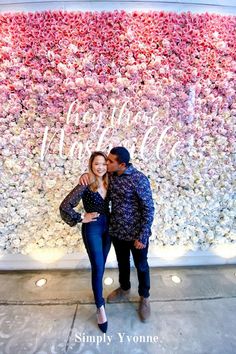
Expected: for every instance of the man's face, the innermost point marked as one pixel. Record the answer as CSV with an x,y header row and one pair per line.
x,y
113,165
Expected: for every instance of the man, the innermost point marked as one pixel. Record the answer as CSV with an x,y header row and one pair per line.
x,y
131,218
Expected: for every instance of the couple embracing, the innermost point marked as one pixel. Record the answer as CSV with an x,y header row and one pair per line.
x,y
127,224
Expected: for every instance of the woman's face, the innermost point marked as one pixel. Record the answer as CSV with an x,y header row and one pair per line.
x,y
99,166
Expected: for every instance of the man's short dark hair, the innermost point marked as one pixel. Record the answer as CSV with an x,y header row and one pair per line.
x,y
122,154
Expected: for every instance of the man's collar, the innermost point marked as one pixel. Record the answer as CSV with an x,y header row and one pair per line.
x,y
128,171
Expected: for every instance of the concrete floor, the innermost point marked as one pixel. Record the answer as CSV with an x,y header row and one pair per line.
x,y
195,316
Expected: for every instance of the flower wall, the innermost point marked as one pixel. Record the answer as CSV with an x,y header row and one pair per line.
x,y
160,83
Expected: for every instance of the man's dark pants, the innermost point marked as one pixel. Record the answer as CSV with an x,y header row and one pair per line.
x,y
122,249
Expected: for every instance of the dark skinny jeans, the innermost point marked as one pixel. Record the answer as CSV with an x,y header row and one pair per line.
x,y
97,242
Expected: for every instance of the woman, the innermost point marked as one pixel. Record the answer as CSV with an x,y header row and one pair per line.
x,y
94,224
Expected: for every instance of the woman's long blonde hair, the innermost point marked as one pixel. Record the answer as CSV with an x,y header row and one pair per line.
x,y
93,180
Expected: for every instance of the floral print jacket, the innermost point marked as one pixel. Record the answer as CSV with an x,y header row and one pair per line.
x,y
132,207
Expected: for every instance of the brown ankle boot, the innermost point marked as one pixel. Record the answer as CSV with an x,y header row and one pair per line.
x,y
118,295
144,308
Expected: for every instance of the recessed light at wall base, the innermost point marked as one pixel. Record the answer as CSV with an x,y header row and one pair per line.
x,y
108,281
176,279
41,282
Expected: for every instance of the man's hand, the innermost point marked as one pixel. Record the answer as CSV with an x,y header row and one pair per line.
x,y
84,179
90,217
139,245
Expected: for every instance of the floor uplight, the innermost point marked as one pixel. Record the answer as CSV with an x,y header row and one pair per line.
x,y
108,281
41,282
176,279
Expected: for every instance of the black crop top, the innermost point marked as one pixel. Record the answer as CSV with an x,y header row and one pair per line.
x,y
92,202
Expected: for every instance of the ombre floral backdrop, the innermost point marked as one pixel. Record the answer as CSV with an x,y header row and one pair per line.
x,y
162,84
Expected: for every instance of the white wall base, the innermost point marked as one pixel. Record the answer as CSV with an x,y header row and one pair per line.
x,y
80,261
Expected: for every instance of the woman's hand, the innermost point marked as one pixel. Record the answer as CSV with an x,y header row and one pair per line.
x,y
88,217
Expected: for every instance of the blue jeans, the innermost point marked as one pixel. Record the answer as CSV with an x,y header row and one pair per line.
x,y
97,242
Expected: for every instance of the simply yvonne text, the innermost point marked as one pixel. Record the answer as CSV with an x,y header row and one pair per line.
x,y
121,337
